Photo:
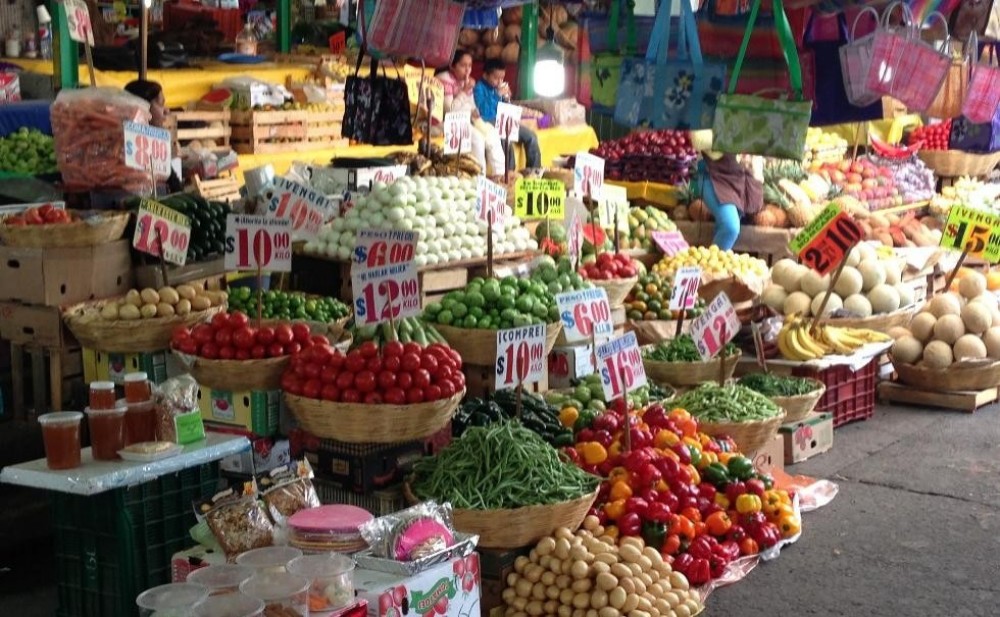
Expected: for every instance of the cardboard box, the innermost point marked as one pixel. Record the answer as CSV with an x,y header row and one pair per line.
x,y
569,363
206,272
256,412
112,366
56,277
10,87
364,468
770,456
495,565
564,112
265,455
450,589
33,324
807,438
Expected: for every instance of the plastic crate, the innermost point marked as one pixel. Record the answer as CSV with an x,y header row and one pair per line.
x,y
379,503
112,546
849,395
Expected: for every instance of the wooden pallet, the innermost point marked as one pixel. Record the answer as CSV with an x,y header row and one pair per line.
x,y
325,130
52,376
268,132
220,189
969,402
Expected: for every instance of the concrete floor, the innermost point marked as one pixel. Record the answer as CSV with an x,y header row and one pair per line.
x,y
915,530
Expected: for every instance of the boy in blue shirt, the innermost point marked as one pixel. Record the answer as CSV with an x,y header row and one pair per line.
x,y
489,91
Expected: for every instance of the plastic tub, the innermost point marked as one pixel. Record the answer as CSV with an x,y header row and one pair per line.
x,y
279,591
140,423
61,434
221,579
231,605
272,559
107,432
173,600
331,579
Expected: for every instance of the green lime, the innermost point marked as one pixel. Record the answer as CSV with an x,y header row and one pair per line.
x,y
445,317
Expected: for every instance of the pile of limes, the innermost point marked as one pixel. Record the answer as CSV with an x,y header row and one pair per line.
x,y
277,304
28,151
712,261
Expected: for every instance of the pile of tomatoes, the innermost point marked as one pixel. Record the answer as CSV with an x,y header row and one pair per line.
x,y
40,215
229,336
395,374
934,136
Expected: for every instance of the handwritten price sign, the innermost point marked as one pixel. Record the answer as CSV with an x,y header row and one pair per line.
x,y
520,356
378,248
491,202
716,327
539,199
588,175
159,227
613,207
972,230
685,291
389,292
147,147
620,364
457,132
585,313
824,243
670,242
305,208
258,242
508,121
78,22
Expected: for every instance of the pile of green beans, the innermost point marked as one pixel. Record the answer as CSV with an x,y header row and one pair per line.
x,y
732,403
778,385
681,349
497,467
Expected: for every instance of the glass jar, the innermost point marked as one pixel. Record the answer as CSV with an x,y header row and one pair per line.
x,y
61,435
107,432
171,600
102,395
137,388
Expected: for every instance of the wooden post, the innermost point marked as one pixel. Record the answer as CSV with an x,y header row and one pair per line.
x,y
954,271
163,263
829,291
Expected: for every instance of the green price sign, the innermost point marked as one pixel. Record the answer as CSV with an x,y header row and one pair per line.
x,y
974,231
539,199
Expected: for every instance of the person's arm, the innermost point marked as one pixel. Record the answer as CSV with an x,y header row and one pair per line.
x,y
486,102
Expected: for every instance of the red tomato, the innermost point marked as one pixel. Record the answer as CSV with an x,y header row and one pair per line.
x,y
224,337
319,339
392,349
290,383
337,360
404,380
189,346
244,337
238,319
227,352
421,378
386,380
459,382
412,348
283,334
429,362
432,392
242,354
301,332
292,348
258,352
410,361
368,349
345,380
265,336
209,350
374,364
355,361
180,333
328,374
392,363
312,371
447,389
456,358
274,350
395,396
330,392
373,398
312,388
220,321
203,333
350,396
414,395
365,381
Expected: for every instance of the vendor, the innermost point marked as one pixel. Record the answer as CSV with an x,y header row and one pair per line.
x,y
152,93
729,190
492,89
458,85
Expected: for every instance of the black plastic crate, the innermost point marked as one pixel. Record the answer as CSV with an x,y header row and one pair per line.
x,y
112,546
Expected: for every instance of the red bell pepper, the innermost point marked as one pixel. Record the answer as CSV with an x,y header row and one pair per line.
x,y
706,491
698,571
734,490
629,524
730,549
670,500
655,416
606,422
766,535
681,449
604,438
649,475
737,533
702,547
638,505
658,512
756,487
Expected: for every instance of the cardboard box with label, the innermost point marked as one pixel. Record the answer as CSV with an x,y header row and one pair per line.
x,y
770,456
569,363
808,437
256,412
33,324
112,366
60,276
265,454
450,589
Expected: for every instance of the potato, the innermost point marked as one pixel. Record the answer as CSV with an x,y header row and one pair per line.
x,y
149,296
186,291
183,306
579,569
164,309
678,581
133,298
617,598
583,585
546,546
148,310
129,311
110,311
200,303
197,287
606,581
538,591
169,295
599,598
581,600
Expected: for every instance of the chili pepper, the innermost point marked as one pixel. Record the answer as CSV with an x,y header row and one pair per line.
x,y
748,546
630,524
671,545
740,468
658,512
748,504
716,474
654,533
719,523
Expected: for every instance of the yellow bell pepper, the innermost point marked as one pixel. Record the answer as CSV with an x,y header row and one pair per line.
x,y
748,504
665,439
568,416
593,453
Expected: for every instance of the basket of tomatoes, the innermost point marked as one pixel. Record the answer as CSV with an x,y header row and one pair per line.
x,y
50,227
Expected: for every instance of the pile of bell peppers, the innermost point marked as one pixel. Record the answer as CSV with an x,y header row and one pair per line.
x,y
691,496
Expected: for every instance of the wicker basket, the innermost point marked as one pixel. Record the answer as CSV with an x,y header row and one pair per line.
x,y
479,347
798,407
955,163
236,375
881,323
686,374
127,336
618,289
651,332
100,227
749,436
958,377
356,423
506,529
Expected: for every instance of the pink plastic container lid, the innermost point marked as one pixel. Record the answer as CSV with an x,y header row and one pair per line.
x,y
346,519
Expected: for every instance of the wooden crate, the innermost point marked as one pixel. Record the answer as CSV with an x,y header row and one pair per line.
x,y
481,380
268,132
325,130
196,124
220,189
51,374
968,401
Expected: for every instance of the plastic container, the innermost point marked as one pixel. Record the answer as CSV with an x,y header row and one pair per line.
x,y
61,434
102,395
231,605
107,432
137,388
272,559
140,423
221,579
172,600
279,590
331,579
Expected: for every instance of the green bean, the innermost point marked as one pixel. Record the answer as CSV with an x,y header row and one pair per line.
x,y
777,385
732,403
681,349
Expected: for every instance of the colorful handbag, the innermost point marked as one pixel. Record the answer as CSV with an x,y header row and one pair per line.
x,y
722,24
605,66
983,98
830,100
855,58
427,30
755,125
951,97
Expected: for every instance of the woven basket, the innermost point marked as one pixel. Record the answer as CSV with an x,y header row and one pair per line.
x,y
236,375
881,323
651,332
618,289
356,423
479,347
519,527
955,163
100,227
123,336
749,436
956,378
798,407
684,374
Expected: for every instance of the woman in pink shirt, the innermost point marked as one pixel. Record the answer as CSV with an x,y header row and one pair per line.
x,y
458,84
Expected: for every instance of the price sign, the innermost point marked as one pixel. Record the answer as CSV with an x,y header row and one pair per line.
x,y
491,202
305,208
254,241
670,242
337,43
147,147
366,176
158,226
457,132
539,199
685,291
619,362
588,175
716,327
972,230
508,121
78,22
389,292
613,207
520,356
378,248
574,238
585,313
824,243
433,90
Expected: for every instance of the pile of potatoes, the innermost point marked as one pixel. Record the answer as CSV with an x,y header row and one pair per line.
x,y
164,302
586,574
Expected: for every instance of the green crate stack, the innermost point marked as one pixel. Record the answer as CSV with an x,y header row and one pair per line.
x,y
112,546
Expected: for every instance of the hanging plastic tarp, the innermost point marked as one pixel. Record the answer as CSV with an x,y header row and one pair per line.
x,y
481,19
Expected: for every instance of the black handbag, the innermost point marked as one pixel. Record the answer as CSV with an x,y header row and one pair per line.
x,y
377,107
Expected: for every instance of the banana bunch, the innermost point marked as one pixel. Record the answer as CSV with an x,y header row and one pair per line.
x,y
796,341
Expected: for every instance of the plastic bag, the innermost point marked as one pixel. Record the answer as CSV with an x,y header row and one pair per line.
x,y
237,520
411,534
174,397
287,490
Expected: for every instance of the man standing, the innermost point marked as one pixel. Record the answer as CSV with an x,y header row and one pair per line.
x,y
489,91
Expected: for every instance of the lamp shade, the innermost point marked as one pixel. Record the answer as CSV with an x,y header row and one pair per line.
x,y
550,74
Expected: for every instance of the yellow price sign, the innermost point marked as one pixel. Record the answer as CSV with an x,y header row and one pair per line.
x,y
539,199
974,231
432,87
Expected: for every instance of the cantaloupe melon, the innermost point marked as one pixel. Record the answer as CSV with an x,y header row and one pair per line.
x,y
797,302
783,271
858,305
884,298
898,332
893,273
949,328
922,326
977,318
832,304
849,283
944,304
774,297
938,355
972,285
969,347
905,294
907,350
854,257
872,274
992,341
814,284
988,300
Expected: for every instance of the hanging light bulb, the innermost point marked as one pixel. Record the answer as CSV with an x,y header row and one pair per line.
x,y
550,74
